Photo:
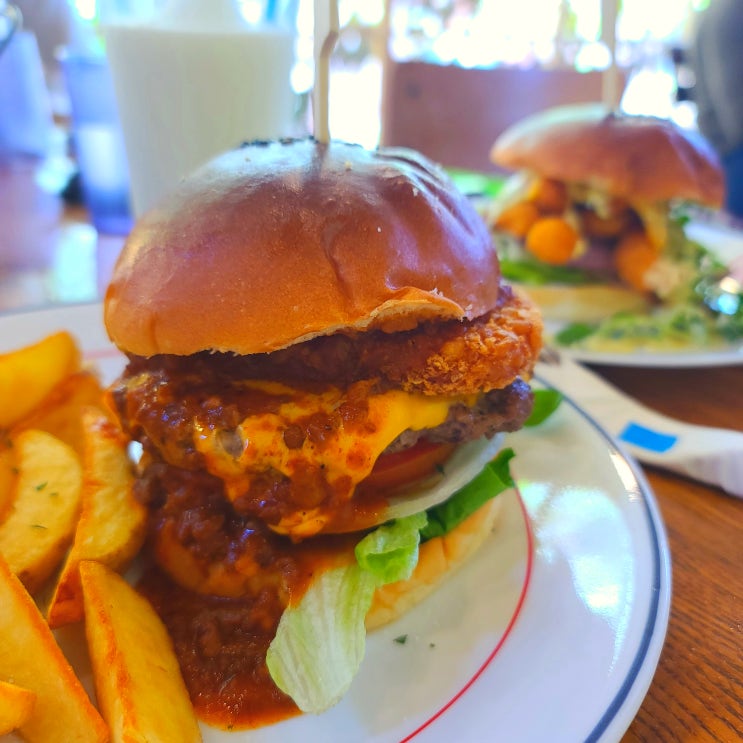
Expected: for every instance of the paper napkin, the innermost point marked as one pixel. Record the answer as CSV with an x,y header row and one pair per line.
x,y
710,455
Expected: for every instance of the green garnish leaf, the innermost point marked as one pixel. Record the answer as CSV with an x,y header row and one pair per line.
x,y
401,639
537,273
474,183
545,403
574,333
493,480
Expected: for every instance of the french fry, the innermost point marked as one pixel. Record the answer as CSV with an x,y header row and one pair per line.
x,y
7,478
112,522
29,374
41,522
141,692
30,657
60,414
16,706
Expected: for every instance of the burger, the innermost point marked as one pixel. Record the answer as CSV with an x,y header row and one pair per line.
x,y
322,360
598,203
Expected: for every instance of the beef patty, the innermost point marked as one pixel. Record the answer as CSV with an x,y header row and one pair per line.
x,y
173,405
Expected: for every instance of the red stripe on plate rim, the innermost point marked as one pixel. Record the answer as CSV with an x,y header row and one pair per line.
x,y
491,655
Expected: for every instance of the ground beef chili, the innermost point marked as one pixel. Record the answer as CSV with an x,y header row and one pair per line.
x,y
162,406
221,640
221,647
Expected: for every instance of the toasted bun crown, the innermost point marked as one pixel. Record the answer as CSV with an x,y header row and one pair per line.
x,y
635,157
276,243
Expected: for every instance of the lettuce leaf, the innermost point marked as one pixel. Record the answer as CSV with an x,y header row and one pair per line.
x,y
494,479
546,401
320,642
390,552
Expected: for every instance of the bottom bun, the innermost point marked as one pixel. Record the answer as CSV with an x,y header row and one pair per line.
x,y
438,559
586,303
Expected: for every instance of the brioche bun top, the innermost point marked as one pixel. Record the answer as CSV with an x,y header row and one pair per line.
x,y
633,157
277,242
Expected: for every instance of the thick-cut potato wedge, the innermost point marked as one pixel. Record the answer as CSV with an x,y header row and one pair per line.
x,y
29,374
41,522
7,477
16,706
60,414
140,689
112,522
31,658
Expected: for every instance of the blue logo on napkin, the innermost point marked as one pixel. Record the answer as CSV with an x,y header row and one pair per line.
x,y
646,438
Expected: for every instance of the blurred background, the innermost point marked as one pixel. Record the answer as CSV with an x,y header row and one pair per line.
x,y
443,76
651,42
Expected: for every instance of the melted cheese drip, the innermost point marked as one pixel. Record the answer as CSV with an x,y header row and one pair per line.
x,y
654,219
346,452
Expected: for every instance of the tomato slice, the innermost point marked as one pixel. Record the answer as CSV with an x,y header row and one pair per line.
x,y
393,471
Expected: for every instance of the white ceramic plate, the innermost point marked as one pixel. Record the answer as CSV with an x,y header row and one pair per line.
x,y
728,355
727,244
731,356
552,633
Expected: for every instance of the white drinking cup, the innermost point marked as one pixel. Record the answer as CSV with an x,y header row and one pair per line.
x,y
193,81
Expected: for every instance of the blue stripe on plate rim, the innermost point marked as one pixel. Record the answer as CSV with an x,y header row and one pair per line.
x,y
660,591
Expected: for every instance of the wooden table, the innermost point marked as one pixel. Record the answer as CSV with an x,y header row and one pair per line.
x,y
697,692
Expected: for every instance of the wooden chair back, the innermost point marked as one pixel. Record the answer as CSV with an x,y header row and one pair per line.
x,y
453,115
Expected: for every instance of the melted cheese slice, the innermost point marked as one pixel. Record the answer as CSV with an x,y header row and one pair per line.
x,y
346,439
